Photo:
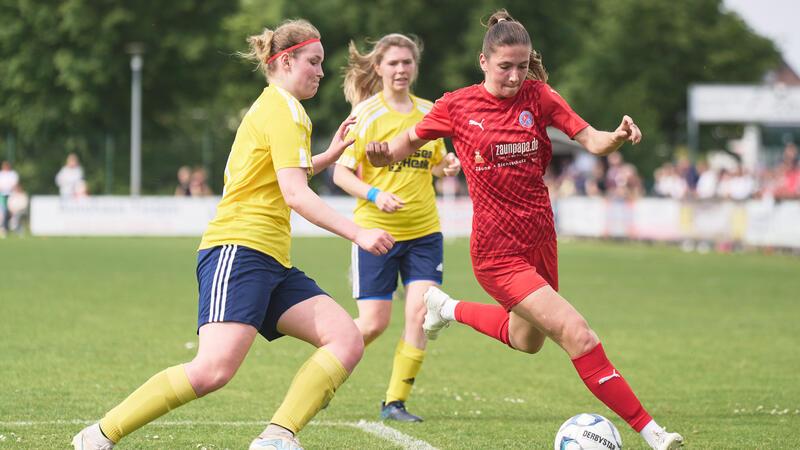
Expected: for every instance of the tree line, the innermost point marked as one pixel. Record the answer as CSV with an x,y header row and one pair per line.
x,y
65,71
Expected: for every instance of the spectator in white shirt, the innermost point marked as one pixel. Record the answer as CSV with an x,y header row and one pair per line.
x,y
8,179
706,182
70,178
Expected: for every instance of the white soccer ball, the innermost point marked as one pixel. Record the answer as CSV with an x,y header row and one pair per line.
x,y
588,432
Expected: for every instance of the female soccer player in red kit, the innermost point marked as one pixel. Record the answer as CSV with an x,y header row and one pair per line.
x,y
498,129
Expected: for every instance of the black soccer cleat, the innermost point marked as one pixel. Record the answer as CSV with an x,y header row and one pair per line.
x,y
396,410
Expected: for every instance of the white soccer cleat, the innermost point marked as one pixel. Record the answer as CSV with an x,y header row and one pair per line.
x,y
275,442
668,441
435,298
91,438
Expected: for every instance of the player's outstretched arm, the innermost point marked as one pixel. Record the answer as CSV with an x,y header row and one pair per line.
x,y
382,154
339,143
298,196
603,143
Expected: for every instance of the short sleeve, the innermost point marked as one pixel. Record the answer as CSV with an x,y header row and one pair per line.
x,y
288,141
439,151
558,112
436,124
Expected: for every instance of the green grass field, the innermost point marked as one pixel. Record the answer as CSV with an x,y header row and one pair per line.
x,y
708,342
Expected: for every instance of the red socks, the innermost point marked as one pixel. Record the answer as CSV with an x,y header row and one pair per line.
x,y
491,320
609,387
594,368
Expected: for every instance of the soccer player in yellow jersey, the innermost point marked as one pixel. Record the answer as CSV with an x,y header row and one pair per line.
x,y
246,281
399,199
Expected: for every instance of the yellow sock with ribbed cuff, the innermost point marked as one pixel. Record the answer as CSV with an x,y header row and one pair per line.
x,y
160,394
311,390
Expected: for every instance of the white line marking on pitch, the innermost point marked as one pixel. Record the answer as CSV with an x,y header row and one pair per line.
x,y
375,428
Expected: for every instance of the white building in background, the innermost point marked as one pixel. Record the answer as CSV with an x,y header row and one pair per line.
x,y
753,106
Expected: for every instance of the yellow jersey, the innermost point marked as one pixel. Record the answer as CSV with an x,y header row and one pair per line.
x,y
409,179
274,134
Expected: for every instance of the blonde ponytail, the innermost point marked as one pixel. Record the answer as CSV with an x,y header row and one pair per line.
x,y
260,45
360,79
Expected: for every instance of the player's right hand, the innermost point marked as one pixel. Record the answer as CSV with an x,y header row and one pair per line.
x,y
374,240
378,154
388,202
339,142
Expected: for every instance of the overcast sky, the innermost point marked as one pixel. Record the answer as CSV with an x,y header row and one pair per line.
x,y
778,20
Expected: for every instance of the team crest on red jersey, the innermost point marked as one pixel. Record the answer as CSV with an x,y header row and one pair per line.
x,y
478,158
526,119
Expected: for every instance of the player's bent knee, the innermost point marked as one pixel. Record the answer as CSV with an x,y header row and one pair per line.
x,y
580,338
207,378
371,330
348,346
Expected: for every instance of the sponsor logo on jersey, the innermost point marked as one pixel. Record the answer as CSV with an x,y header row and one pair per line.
x,y
516,149
526,119
419,160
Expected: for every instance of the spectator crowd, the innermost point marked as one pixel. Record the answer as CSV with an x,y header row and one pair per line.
x,y
585,175
679,180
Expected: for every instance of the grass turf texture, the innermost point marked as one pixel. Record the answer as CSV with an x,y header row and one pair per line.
x,y
708,342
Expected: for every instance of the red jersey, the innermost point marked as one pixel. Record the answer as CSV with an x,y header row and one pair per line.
x,y
504,151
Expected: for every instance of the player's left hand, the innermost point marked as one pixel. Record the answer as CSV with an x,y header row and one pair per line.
x,y
453,165
339,142
628,131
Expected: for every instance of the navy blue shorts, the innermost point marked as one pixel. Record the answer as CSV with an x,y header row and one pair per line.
x,y
239,284
375,277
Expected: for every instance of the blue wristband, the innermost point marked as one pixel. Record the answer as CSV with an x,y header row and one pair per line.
x,y
372,194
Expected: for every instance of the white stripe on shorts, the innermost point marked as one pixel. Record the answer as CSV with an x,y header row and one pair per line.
x,y
221,316
214,284
220,282
354,270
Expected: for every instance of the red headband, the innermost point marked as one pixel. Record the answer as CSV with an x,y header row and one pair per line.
x,y
292,48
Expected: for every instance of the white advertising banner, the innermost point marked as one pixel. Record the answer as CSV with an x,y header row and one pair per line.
x,y
773,224
657,219
776,104
121,216
756,223
185,216
581,216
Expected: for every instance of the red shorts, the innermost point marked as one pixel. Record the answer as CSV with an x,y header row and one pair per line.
x,y
509,279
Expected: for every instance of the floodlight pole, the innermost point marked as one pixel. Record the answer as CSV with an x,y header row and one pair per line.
x,y
692,127
137,61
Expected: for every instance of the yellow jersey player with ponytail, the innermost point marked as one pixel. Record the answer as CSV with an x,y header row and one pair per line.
x,y
399,199
247,283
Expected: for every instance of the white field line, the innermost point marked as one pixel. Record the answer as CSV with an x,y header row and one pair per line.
x,y
392,435
375,428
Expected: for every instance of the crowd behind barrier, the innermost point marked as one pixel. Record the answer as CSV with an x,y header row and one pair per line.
x,y
699,204
720,178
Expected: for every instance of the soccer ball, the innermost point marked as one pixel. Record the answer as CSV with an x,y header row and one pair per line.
x,y
588,432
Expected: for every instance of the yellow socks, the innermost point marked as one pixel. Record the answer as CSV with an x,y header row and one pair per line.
x,y
163,392
407,362
311,390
